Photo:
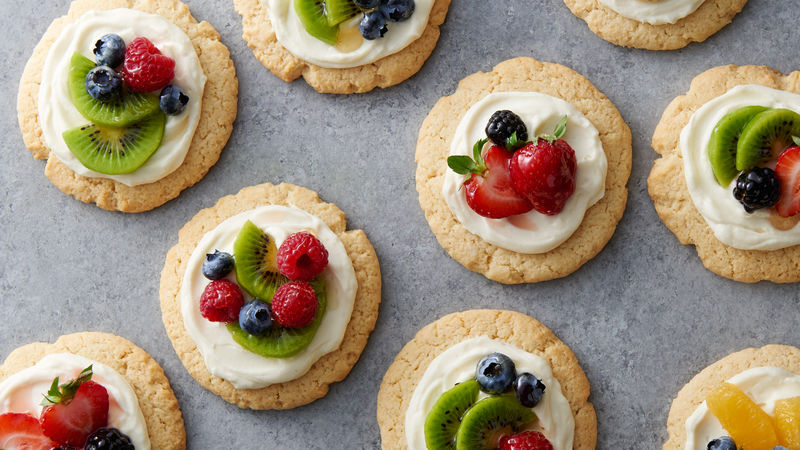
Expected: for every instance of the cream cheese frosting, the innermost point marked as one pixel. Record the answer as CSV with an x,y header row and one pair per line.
x,y
656,12
57,113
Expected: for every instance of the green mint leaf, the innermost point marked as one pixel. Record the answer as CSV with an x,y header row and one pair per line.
x,y
796,140
65,392
460,164
561,128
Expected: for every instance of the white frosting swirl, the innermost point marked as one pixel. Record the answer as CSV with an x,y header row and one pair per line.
x,y
57,114
657,12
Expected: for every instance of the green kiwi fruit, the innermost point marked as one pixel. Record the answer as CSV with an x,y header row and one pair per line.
x,y
312,15
129,107
256,257
337,11
722,145
765,136
444,418
489,419
278,341
114,151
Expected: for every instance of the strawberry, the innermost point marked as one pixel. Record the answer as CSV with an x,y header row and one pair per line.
x,y
488,186
527,440
23,432
74,410
145,69
788,173
544,171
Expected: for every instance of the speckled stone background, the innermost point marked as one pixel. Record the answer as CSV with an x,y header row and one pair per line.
x,y
643,316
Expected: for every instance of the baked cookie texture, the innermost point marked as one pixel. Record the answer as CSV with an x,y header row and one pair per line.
x,y
328,369
213,130
156,399
515,328
668,190
698,26
696,390
388,71
600,221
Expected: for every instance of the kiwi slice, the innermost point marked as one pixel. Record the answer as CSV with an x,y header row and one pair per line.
x,y
489,419
129,107
765,136
443,420
722,145
114,151
337,11
278,341
312,15
257,262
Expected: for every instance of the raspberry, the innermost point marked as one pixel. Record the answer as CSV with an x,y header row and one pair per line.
x,y
527,440
221,301
145,69
302,257
294,304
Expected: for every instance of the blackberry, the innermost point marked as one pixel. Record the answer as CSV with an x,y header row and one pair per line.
x,y
108,439
757,188
503,124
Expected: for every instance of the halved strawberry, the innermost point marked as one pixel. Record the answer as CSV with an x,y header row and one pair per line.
x,y
72,422
23,432
788,173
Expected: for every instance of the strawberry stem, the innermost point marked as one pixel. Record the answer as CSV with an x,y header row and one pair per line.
x,y
558,132
464,165
65,392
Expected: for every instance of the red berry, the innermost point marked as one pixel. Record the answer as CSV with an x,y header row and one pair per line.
x,y
527,440
294,304
492,194
71,423
145,69
21,431
221,301
788,173
544,173
302,257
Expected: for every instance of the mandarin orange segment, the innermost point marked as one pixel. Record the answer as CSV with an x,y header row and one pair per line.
x,y
787,422
745,421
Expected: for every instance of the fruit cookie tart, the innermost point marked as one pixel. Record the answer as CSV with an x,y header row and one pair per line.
x,y
467,382
655,24
88,390
748,400
514,209
115,98
730,147
272,297
342,46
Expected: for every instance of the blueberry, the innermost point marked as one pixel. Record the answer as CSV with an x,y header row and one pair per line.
x,y
172,100
255,317
495,373
398,10
217,265
367,5
529,389
373,25
103,84
109,50
722,443
779,447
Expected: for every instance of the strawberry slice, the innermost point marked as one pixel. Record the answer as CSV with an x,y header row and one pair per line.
x,y
23,432
74,410
788,173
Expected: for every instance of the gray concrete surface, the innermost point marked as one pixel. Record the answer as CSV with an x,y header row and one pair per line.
x,y
643,316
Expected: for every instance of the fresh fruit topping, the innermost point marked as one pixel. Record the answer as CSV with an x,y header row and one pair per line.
x,y
116,150
109,50
765,136
367,5
302,256
145,69
256,262
337,11
172,100
788,172
294,304
217,265
373,25
64,393
787,421
544,171
108,439
71,421
529,389
722,443
21,431
722,144
527,440
757,188
103,83
490,419
398,10
221,301
495,373
312,16
505,125
780,447
255,317
444,418
747,424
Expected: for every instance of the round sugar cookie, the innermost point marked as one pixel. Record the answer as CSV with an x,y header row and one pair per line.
x,y
156,399
329,368
696,390
600,220
217,113
698,26
387,71
667,184
517,329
